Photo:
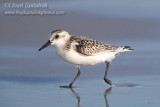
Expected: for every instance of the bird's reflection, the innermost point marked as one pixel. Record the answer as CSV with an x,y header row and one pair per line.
x,y
77,96
107,91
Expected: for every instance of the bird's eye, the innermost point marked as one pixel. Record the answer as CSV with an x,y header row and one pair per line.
x,y
57,36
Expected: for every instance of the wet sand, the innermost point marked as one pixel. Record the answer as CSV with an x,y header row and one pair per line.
x,y
129,91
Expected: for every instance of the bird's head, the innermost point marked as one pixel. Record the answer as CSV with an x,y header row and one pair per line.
x,y
58,37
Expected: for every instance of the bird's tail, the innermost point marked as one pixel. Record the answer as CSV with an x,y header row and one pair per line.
x,y
125,48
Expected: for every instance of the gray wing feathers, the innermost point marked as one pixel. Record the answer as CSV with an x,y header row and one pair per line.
x,y
90,47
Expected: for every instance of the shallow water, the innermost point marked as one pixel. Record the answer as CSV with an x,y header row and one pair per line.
x,y
131,91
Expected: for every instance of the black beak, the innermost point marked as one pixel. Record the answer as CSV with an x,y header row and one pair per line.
x,y
45,45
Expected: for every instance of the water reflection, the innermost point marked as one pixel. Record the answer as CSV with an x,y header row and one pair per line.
x,y
105,95
125,85
107,91
77,96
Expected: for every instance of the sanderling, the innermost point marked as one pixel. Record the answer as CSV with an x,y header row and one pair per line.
x,y
80,50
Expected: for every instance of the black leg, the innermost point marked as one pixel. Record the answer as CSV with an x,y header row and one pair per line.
x,y
70,85
105,76
78,74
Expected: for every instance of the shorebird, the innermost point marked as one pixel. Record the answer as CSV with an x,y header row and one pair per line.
x,y
80,50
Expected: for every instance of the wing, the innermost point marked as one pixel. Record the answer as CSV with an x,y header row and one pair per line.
x,y
90,47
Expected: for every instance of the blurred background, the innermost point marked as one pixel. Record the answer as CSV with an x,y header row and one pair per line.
x,y
118,22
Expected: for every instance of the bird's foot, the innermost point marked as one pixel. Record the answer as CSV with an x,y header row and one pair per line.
x,y
108,81
69,86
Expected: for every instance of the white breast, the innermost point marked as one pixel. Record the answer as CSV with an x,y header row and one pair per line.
x,y
78,59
